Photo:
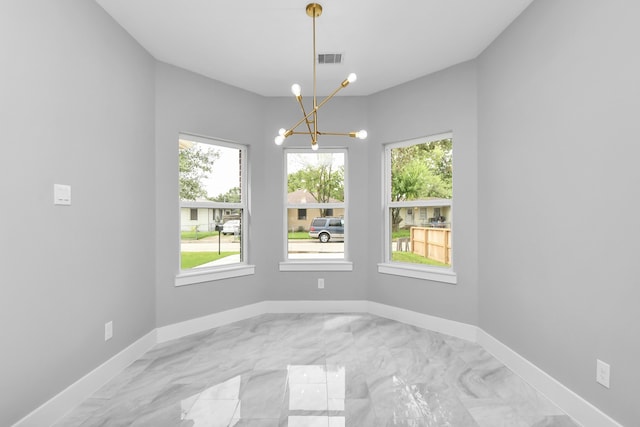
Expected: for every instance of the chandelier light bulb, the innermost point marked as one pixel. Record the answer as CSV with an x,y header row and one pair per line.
x,y
279,140
282,131
296,89
352,77
362,134
314,147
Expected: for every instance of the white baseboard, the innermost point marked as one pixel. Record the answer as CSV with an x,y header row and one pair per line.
x,y
199,324
436,324
571,403
59,405
575,406
348,306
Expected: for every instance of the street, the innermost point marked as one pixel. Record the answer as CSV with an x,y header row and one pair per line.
x,y
231,244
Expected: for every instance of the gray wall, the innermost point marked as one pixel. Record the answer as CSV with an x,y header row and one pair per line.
x,y
559,108
76,107
444,101
187,102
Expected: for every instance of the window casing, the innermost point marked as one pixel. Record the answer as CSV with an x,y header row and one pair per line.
x,y
214,212
315,182
418,207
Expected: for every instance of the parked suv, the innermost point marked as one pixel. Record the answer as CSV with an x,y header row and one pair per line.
x,y
327,228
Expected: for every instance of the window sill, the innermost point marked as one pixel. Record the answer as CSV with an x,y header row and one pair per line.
x,y
408,270
208,275
316,266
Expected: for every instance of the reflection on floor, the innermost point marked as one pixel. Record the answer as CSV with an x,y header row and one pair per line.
x,y
308,370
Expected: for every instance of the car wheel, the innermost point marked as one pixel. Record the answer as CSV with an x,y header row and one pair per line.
x,y
324,237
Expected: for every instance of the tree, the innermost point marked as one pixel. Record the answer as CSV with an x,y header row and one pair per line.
x,y
231,196
196,162
420,171
407,183
323,180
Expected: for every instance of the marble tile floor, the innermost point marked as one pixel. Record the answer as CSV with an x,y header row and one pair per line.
x,y
324,370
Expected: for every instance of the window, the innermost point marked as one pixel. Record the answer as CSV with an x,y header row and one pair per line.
x,y
418,208
213,209
316,184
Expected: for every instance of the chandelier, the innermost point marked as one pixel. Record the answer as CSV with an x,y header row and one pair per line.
x,y
310,119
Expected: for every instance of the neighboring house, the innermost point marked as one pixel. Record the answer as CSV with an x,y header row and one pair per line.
x,y
204,218
425,217
299,219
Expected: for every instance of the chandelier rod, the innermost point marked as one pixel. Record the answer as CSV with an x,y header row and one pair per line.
x,y
315,104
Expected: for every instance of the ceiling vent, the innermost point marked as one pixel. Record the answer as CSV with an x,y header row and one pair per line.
x,y
330,58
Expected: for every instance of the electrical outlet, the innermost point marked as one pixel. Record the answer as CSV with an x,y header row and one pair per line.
x,y
61,194
320,283
108,330
603,372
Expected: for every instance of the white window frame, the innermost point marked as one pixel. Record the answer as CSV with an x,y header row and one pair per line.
x,y
316,264
243,268
418,271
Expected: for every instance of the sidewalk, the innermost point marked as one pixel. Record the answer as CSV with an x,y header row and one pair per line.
x,y
231,259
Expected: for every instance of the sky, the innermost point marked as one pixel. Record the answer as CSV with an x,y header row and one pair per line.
x,y
225,172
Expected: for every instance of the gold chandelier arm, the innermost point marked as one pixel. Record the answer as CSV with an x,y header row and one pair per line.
x,y
303,133
314,139
344,84
338,89
350,134
306,116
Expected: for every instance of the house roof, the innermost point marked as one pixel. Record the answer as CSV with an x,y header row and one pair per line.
x,y
303,196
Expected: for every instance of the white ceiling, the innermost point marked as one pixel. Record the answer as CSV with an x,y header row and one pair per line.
x,y
265,46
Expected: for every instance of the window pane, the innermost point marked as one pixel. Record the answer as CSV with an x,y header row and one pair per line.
x,y
420,241
315,177
315,180
209,172
316,237
212,209
421,173
212,240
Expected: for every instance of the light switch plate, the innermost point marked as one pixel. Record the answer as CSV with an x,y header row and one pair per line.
x,y
61,194
108,331
603,372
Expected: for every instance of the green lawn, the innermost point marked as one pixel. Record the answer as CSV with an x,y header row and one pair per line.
x,y
194,259
401,233
299,235
415,259
192,235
